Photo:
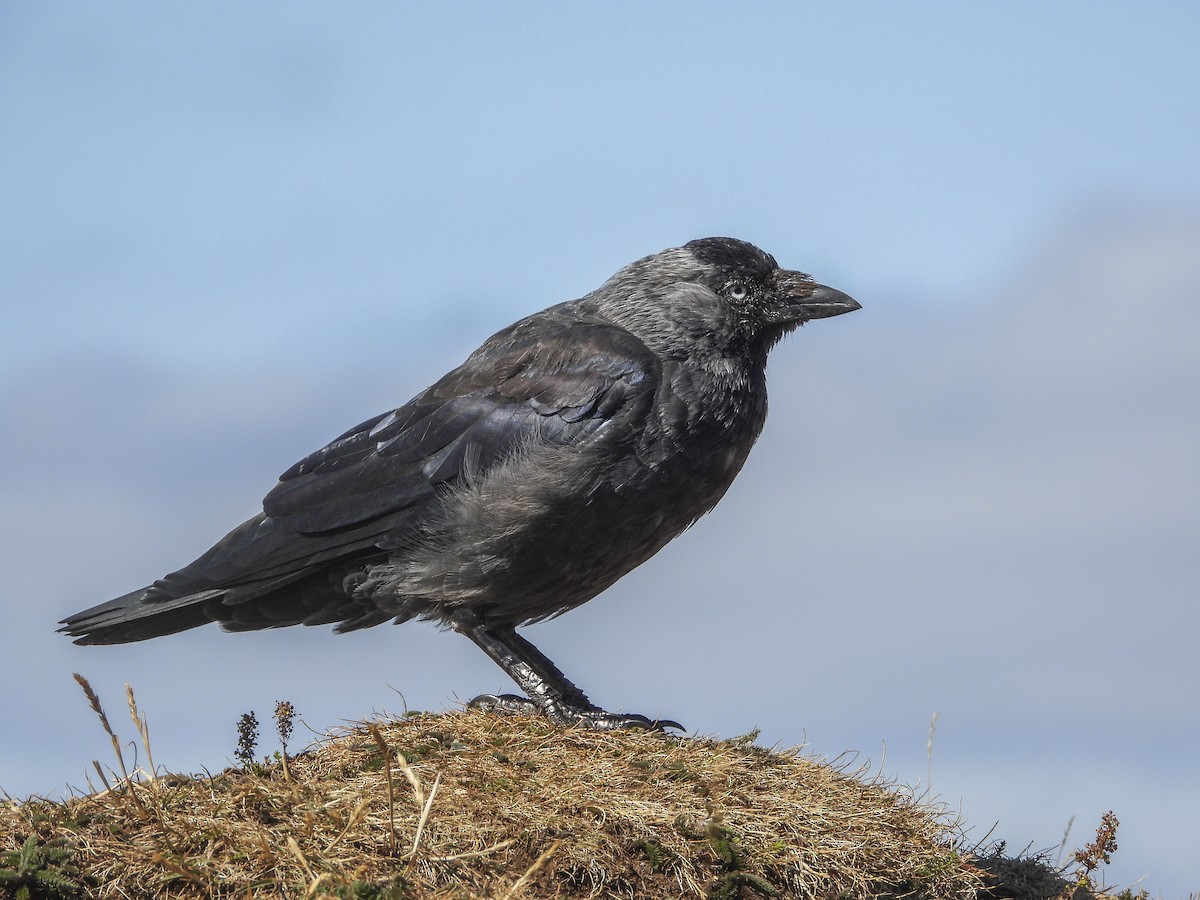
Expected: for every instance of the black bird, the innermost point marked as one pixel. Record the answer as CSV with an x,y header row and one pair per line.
x,y
566,451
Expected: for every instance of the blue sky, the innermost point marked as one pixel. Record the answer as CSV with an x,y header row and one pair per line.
x,y
232,232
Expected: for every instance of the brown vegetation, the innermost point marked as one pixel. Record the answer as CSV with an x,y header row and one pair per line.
x,y
470,804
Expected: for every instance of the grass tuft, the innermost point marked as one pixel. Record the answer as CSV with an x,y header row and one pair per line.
x,y
502,807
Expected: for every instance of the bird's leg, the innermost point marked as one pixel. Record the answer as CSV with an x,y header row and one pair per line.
x,y
551,680
548,689
546,686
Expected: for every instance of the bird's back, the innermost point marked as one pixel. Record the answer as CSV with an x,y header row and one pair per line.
x,y
559,456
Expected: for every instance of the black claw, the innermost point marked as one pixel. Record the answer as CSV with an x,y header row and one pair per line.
x,y
664,724
503,703
593,718
606,721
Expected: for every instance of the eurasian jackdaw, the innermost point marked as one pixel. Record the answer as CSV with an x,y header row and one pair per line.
x,y
568,449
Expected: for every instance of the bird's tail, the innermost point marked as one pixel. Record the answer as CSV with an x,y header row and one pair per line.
x,y
257,576
145,613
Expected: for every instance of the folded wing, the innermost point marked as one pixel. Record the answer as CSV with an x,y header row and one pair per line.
x,y
551,380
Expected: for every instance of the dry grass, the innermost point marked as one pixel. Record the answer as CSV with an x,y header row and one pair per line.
x,y
472,804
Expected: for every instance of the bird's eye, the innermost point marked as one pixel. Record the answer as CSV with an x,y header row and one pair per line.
x,y
738,291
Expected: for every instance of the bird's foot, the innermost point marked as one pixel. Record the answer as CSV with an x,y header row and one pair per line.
x,y
506,704
593,717
599,720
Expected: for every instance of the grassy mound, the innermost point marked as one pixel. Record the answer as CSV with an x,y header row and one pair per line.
x,y
472,804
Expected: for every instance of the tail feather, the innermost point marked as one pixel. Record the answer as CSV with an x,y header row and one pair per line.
x,y
320,597
138,615
257,576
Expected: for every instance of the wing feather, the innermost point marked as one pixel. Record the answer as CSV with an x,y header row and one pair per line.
x,y
551,380
504,396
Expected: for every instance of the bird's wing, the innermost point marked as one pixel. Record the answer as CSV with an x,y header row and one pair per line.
x,y
551,380
546,381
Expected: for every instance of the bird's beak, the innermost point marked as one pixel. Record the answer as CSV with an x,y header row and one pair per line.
x,y
804,299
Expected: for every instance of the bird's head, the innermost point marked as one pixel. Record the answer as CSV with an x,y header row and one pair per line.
x,y
750,279
717,287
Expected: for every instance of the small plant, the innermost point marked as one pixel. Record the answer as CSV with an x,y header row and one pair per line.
x,y
98,709
746,740
247,729
391,787
361,890
725,843
143,729
284,714
38,871
657,855
1098,851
